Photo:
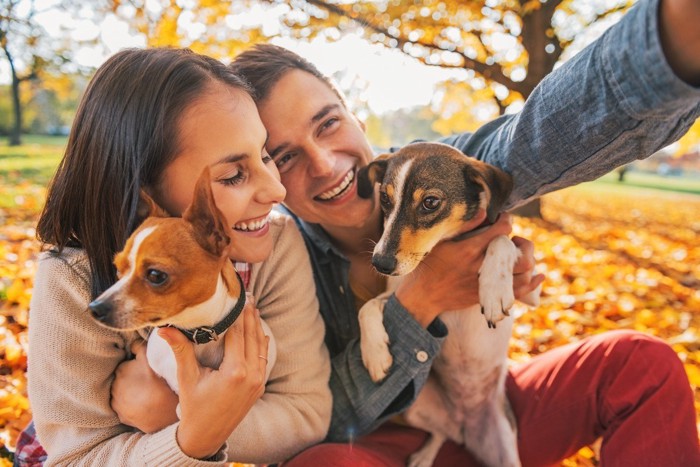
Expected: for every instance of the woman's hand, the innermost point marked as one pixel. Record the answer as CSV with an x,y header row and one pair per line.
x,y
140,397
213,402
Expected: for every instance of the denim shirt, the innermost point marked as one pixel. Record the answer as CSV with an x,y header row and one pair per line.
x,y
614,102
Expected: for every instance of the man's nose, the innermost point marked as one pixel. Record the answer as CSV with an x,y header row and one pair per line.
x,y
321,161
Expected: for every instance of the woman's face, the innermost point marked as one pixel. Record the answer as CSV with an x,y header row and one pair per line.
x,y
222,130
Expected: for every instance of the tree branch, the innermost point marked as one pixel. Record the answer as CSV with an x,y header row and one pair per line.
x,y
490,72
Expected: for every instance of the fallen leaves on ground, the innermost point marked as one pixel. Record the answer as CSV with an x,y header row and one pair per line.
x,y
626,259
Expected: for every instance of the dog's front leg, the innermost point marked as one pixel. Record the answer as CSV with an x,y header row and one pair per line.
x,y
374,341
496,279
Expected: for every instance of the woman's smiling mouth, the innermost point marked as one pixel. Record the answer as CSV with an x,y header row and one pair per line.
x,y
252,225
340,189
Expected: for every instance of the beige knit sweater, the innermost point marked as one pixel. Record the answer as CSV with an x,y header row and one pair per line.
x,y
72,362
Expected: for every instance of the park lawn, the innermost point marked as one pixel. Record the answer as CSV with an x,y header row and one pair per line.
x,y
686,184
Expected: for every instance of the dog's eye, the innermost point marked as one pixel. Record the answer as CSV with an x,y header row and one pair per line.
x,y
430,203
384,199
156,277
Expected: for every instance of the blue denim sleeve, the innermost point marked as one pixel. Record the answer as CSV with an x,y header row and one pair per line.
x,y
614,102
359,404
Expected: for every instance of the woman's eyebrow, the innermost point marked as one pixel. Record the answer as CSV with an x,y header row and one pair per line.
x,y
231,158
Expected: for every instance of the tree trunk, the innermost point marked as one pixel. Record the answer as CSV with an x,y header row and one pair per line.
x,y
16,133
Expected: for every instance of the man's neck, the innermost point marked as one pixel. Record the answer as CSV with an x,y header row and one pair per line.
x,y
356,240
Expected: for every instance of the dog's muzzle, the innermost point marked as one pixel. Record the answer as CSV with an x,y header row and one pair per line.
x,y
385,264
100,309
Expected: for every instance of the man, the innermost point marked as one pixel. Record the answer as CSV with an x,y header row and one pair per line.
x,y
626,102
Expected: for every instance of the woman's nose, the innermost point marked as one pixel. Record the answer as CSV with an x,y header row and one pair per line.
x,y
271,189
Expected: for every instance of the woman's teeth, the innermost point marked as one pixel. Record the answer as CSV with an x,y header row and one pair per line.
x,y
251,226
340,189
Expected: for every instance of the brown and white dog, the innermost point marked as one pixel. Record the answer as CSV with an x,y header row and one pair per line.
x,y
175,271
430,192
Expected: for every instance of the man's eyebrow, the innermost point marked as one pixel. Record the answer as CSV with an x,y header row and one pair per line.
x,y
325,110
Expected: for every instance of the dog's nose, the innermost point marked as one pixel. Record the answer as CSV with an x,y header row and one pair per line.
x,y
384,263
101,309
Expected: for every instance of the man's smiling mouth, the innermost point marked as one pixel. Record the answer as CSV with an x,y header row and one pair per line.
x,y
340,189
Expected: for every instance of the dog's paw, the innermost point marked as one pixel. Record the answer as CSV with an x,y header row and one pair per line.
x,y
374,341
426,455
496,280
376,356
496,306
420,459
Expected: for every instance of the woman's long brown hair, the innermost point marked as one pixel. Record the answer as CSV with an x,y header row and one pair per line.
x,y
123,136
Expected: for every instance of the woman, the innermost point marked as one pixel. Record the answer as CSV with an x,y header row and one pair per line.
x,y
154,119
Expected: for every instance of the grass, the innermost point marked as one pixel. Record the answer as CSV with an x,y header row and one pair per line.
x,y
33,162
687,184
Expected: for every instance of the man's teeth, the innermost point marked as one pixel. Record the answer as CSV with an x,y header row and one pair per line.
x,y
251,226
330,194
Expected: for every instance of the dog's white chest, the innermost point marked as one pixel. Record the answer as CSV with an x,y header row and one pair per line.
x,y
162,360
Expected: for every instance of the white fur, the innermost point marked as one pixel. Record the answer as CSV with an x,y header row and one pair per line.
x,y
464,398
398,193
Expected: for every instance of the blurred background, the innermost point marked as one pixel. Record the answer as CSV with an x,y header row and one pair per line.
x,y
621,252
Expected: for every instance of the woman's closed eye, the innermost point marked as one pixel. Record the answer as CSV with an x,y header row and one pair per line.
x,y
233,179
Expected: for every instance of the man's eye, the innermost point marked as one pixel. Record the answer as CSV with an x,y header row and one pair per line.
x,y
156,277
329,123
430,203
283,161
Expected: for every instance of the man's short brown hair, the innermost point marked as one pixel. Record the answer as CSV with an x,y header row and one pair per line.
x,y
263,65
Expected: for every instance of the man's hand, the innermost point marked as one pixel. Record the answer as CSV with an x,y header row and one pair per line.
x,y
140,397
679,28
448,278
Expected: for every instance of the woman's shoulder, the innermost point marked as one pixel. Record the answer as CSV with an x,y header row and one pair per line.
x,y
69,261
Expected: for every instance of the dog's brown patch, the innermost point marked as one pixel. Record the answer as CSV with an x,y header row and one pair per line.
x,y
415,244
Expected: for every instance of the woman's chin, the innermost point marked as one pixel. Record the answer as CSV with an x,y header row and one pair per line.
x,y
251,250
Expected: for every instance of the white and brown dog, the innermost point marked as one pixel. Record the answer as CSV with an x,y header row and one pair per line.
x,y
430,192
175,271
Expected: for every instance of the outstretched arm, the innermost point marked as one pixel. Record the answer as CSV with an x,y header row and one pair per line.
x,y
622,98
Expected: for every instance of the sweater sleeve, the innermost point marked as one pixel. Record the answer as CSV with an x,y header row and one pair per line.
x,y
71,366
294,412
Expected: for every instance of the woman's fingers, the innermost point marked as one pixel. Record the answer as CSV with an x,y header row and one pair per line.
x,y
138,348
188,368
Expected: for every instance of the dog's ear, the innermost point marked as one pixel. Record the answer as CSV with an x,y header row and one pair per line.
x,y
370,174
209,222
498,182
147,207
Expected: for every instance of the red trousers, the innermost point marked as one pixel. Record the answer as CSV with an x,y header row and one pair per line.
x,y
626,387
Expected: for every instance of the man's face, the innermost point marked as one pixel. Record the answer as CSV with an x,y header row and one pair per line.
x,y
318,147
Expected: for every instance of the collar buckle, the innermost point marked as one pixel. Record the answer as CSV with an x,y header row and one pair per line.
x,y
205,334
